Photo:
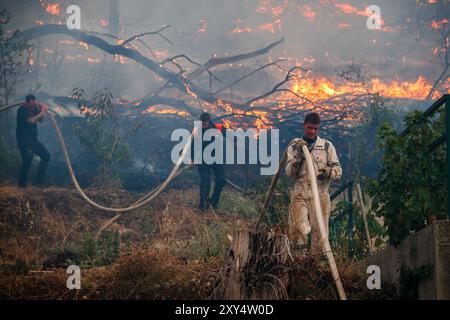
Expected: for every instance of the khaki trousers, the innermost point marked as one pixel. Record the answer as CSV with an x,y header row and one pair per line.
x,y
302,218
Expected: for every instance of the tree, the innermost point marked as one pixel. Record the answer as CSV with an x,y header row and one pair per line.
x,y
366,155
410,191
12,64
105,144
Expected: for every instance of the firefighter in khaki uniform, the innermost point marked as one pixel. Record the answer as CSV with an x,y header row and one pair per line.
x,y
327,168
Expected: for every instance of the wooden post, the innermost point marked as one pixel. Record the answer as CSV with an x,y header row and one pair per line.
x,y
364,216
251,271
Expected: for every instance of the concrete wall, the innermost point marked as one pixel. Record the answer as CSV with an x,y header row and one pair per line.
x,y
429,246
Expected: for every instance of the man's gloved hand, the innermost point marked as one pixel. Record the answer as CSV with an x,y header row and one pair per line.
x,y
297,148
324,173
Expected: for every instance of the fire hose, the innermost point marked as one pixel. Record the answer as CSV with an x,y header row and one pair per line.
x,y
139,203
176,171
318,215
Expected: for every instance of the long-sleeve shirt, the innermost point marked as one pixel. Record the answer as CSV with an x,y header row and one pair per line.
x,y
323,154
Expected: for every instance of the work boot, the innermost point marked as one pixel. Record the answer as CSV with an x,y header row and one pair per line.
x,y
204,203
214,205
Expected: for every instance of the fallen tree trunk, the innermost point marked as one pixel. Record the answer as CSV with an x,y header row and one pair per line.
x,y
256,268
183,84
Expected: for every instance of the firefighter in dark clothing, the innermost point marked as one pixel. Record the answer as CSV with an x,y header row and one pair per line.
x,y
206,169
28,115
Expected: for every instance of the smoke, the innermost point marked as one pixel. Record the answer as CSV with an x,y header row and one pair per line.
x,y
323,36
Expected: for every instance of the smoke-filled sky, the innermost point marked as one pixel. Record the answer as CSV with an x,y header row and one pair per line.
x,y
323,36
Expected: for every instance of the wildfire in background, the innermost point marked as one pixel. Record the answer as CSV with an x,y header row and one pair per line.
x,y
322,36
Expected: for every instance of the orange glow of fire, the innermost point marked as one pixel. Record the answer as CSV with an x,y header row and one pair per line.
x,y
276,11
84,45
322,88
349,9
261,122
241,30
271,26
307,12
159,109
438,24
119,58
53,9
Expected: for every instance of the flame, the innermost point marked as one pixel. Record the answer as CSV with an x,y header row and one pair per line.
x,y
276,11
85,110
270,26
322,88
53,9
438,24
307,12
227,123
154,109
241,30
84,45
262,121
273,27
349,9
119,58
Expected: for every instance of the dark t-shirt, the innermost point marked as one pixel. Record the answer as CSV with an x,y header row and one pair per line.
x,y
25,129
206,143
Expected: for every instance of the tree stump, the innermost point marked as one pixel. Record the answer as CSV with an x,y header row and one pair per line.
x,y
256,268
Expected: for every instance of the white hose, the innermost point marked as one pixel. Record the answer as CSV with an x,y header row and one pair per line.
x,y
320,222
142,201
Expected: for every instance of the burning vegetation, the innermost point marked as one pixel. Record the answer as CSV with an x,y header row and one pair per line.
x,y
138,76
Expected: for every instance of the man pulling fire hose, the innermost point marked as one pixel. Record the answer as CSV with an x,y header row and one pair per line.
x,y
326,168
312,162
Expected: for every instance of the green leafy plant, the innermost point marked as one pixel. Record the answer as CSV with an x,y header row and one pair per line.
x,y
13,60
411,189
365,154
101,137
339,230
92,251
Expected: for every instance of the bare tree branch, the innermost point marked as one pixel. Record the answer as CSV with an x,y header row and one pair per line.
x,y
225,60
289,76
249,75
157,32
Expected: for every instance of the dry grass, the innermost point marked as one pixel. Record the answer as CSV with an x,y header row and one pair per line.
x,y
167,249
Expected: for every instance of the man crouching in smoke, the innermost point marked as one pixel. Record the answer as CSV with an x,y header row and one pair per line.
x,y
326,167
